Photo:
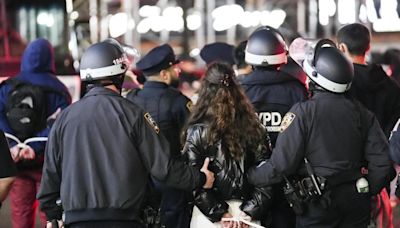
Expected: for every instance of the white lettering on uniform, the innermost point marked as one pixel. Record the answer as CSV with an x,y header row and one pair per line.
x,y
272,120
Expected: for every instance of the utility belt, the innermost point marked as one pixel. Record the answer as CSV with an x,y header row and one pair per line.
x,y
300,191
151,217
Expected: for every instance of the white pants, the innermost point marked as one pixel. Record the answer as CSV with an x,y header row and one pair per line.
x,y
199,220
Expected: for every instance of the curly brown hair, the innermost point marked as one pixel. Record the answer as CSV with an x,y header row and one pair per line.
x,y
230,115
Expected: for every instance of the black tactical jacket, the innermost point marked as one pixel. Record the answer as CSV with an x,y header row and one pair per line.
x,y
168,107
272,94
379,93
99,156
337,135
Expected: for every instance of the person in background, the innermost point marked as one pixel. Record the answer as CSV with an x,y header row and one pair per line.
x,y
272,93
391,57
371,86
102,149
218,52
375,90
242,68
38,69
8,171
189,77
170,109
224,127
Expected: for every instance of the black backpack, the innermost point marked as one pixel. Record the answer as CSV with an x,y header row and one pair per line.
x,y
26,108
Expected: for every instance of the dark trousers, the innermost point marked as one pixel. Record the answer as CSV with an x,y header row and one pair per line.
x,y
175,212
281,214
106,224
174,207
347,208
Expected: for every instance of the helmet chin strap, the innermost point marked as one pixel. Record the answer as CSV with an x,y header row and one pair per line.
x,y
118,81
314,87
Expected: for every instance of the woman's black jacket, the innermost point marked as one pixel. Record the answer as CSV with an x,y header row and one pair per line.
x,y
230,176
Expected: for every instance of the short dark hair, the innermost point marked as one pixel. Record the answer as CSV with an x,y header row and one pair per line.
x,y
356,37
239,55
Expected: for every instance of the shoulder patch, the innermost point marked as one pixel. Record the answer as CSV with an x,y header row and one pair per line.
x,y
152,123
189,106
287,120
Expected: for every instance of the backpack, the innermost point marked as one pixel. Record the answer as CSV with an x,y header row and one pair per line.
x,y
26,108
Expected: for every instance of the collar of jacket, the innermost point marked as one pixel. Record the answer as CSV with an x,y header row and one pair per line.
x,y
267,77
101,91
325,94
155,84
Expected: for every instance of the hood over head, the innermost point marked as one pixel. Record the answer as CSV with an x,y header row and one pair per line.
x,y
38,57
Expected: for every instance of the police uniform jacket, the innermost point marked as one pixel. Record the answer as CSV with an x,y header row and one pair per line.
x,y
378,92
337,135
167,105
100,153
272,94
230,179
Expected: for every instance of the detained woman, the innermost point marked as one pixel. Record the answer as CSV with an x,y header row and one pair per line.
x,y
224,127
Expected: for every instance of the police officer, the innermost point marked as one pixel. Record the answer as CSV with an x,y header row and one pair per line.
x,y
272,93
326,141
270,90
102,149
218,52
169,108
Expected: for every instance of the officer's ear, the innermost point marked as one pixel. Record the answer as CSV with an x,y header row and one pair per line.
x,y
164,74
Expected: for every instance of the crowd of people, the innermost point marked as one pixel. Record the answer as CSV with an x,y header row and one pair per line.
x,y
266,138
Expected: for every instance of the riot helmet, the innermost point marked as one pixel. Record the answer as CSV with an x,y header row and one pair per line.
x,y
328,67
103,60
266,47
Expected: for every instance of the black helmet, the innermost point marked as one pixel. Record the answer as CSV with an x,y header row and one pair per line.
x,y
328,67
266,47
103,60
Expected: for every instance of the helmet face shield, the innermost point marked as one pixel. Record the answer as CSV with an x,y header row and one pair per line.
x,y
302,49
323,63
132,54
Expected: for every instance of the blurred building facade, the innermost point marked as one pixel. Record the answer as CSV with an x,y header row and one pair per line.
x,y
72,25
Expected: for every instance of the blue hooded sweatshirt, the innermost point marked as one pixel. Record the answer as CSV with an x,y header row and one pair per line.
x,y
38,68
